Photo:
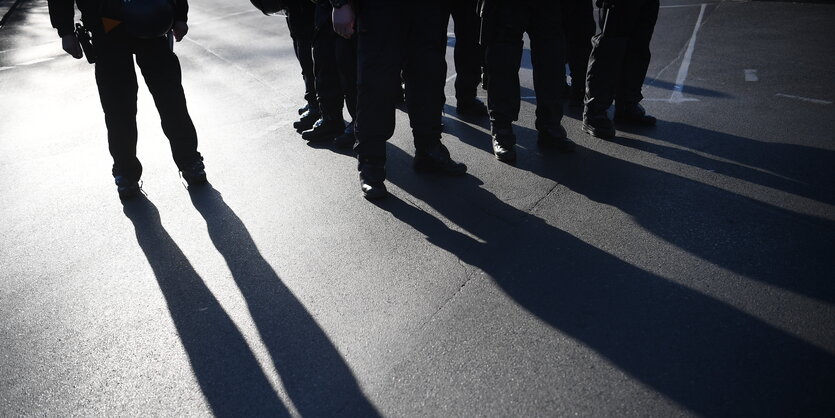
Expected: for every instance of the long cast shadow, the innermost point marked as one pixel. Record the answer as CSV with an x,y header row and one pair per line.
x,y
689,90
793,168
702,353
763,242
229,376
316,378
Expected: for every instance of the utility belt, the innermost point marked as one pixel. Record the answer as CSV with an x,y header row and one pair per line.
x,y
86,41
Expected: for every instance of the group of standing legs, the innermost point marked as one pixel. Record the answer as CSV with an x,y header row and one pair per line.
x,y
367,56
387,44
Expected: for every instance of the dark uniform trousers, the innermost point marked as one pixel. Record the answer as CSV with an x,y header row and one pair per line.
x,y
468,54
504,23
335,65
300,22
393,35
117,84
579,28
620,55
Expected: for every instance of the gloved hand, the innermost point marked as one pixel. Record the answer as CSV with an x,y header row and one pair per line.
x,y
70,44
180,30
344,20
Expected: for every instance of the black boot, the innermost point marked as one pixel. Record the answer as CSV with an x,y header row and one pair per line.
x,y
598,125
324,130
372,180
347,139
194,173
307,120
127,187
437,160
633,114
504,146
555,139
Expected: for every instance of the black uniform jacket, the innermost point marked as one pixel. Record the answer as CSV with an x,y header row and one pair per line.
x,y
62,12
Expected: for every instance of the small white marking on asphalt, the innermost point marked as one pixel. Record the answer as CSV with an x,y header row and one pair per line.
x,y
751,75
451,77
224,17
681,100
5,68
236,66
678,95
804,99
38,61
676,6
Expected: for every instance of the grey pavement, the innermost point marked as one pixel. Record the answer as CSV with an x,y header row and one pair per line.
x,y
682,270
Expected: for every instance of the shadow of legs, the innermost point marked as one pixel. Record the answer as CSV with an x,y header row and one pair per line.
x,y
226,370
317,379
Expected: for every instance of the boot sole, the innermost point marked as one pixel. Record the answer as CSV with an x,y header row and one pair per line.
x,y
597,133
129,192
195,180
432,168
630,122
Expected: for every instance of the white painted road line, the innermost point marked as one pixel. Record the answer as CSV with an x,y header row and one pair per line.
x,y
804,99
5,68
681,100
678,95
200,22
678,6
751,75
37,61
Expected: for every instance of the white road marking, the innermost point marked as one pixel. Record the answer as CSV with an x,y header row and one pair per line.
x,y
37,61
676,6
681,100
804,99
236,66
224,17
32,47
678,95
5,68
451,77
751,75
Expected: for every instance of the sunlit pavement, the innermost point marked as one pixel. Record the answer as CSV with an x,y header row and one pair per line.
x,y
681,270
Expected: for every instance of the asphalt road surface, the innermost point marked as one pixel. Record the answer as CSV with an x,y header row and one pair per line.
x,y
675,271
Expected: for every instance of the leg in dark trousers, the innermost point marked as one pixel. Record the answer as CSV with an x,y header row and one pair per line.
x,y
116,81
504,23
379,61
618,65
468,53
395,35
579,28
346,61
503,26
637,56
300,22
425,72
162,73
328,88
547,58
